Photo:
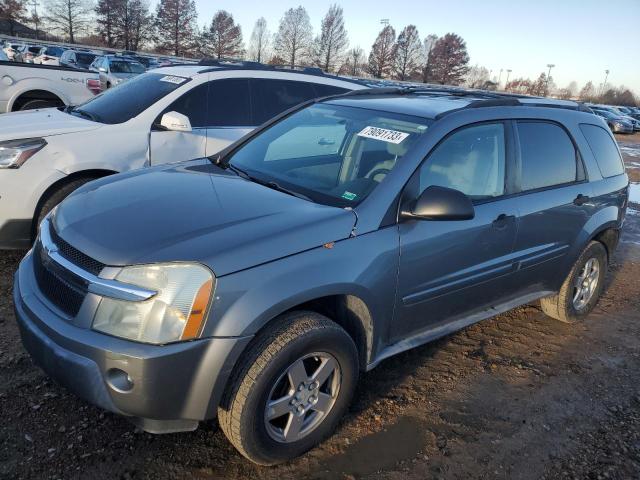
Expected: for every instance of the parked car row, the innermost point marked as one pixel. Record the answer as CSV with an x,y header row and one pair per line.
x,y
238,241
619,119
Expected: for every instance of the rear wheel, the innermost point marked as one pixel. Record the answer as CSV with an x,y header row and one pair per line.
x,y
582,287
40,103
291,389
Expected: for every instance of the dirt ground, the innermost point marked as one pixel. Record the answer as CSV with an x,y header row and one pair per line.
x,y
519,396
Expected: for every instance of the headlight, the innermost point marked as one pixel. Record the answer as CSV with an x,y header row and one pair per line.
x,y
175,313
15,152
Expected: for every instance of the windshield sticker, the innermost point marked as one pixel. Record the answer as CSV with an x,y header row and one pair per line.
x,y
173,79
389,136
349,196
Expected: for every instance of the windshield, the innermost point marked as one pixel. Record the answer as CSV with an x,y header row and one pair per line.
x,y
127,100
331,154
126,67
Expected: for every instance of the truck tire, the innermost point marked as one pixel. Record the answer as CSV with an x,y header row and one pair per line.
x,y
54,198
290,389
581,289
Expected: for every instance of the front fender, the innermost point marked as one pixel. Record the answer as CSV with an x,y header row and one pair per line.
x,y
364,266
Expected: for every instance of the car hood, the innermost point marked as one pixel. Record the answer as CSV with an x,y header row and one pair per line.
x,y
41,123
194,212
124,76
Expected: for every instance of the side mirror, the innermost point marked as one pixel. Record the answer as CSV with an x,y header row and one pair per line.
x,y
440,203
176,122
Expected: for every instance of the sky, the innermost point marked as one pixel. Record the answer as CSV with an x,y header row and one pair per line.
x,y
583,38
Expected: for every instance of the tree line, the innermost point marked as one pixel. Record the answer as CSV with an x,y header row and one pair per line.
x,y
173,29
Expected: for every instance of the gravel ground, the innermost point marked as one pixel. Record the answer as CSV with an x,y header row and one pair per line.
x,y
519,396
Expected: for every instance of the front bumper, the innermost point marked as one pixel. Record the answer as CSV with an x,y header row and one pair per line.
x,y
169,388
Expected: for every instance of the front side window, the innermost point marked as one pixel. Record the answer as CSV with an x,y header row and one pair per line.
x,y
129,99
471,160
333,154
547,155
193,104
604,149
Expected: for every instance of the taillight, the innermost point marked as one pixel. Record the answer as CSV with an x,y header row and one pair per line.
x,y
93,84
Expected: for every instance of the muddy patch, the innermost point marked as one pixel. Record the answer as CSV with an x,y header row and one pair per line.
x,y
380,451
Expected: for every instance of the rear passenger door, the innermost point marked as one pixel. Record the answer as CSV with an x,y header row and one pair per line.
x,y
553,204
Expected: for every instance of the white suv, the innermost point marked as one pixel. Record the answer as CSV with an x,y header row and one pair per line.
x,y
166,115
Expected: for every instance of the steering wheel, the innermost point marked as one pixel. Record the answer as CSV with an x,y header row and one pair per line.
x,y
378,171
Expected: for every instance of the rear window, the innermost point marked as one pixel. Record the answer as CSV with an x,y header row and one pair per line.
x,y
604,149
53,51
547,155
85,57
126,67
35,49
127,100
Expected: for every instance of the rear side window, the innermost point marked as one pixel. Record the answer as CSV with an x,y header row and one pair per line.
x,y
604,149
229,103
547,155
272,97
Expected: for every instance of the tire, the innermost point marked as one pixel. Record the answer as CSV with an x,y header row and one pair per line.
x,y
264,375
39,103
54,198
564,306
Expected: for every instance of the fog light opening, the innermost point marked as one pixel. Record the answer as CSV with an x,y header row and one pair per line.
x,y
119,380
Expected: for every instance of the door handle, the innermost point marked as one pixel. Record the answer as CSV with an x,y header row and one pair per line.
x,y
502,220
581,199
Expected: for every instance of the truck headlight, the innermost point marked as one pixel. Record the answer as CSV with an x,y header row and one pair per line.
x,y
175,313
14,153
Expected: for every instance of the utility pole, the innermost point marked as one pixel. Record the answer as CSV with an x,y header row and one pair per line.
x,y
550,65
35,4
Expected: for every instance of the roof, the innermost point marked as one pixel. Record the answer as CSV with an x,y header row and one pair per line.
x,y
429,101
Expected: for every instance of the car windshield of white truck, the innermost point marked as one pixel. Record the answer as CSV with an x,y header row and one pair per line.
x,y
330,154
127,100
126,67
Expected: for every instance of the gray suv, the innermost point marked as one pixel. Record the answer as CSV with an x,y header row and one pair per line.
x,y
254,286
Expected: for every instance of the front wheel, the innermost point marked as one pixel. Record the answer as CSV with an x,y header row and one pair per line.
x,y
582,287
291,390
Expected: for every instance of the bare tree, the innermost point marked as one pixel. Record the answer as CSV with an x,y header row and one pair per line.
x,y
409,54
383,52
13,12
260,41
176,26
353,64
333,40
224,38
295,36
477,77
539,86
518,85
449,60
68,16
429,42
588,92
618,96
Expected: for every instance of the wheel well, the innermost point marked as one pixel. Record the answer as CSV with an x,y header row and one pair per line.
x,y
352,314
609,238
88,174
34,95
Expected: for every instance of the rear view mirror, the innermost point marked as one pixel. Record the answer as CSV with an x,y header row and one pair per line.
x,y
440,203
176,122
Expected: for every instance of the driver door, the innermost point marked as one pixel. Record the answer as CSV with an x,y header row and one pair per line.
x,y
169,146
450,269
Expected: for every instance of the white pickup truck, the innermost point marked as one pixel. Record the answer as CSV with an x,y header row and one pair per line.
x,y
26,86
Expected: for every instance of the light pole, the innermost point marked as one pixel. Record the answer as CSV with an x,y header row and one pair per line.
x,y
35,4
506,82
499,78
550,65
384,21
606,76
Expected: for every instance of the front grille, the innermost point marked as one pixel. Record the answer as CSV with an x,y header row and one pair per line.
x,y
57,290
74,255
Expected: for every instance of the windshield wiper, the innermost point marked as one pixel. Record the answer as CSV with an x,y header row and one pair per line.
x,y
85,114
266,183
